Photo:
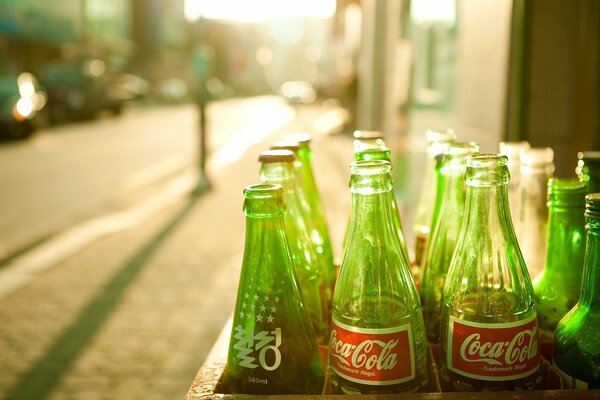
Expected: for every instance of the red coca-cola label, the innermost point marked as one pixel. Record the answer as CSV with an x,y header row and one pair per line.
x,y
493,352
372,356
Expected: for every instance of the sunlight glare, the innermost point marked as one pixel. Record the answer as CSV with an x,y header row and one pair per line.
x,y
257,10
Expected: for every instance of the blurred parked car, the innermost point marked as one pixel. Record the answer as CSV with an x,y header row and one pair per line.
x,y
80,88
21,100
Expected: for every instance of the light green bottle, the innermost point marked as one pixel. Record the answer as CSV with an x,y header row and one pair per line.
x,y
273,348
277,166
436,144
444,233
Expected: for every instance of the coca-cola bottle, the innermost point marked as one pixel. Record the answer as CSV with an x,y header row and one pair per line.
x,y
489,337
273,348
277,166
377,342
436,144
557,288
576,339
444,234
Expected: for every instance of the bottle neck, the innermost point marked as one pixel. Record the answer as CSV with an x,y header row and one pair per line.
x,y
487,207
590,289
371,211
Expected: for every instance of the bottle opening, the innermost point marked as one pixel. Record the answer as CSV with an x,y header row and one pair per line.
x,y
367,134
592,206
286,145
276,155
489,160
370,167
263,191
302,138
542,155
568,192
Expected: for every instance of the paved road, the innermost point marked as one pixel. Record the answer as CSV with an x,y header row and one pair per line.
x,y
67,174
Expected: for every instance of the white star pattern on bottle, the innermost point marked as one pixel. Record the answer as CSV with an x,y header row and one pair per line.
x,y
270,319
259,318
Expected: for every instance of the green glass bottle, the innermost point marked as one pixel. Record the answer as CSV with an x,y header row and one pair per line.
x,y
588,169
444,234
377,342
311,206
577,336
436,144
489,337
273,348
277,166
381,152
557,287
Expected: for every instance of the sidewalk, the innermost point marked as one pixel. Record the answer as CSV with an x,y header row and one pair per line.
x,y
134,314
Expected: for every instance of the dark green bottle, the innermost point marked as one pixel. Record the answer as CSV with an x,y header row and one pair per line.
x,y
444,233
588,169
577,336
277,166
273,348
557,288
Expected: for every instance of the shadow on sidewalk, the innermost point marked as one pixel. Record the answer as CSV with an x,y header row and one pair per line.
x,y
44,376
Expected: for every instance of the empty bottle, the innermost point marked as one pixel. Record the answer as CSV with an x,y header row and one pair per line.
x,y
537,168
489,332
436,143
310,207
273,348
557,288
576,341
513,150
377,342
444,234
277,166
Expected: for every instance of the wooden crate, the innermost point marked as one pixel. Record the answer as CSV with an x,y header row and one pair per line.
x,y
207,383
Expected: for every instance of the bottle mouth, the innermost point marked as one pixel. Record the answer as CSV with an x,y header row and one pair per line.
x,y
537,156
488,169
369,135
592,206
302,138
286,145
370,167
263,191
566,192
487,160
276,155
